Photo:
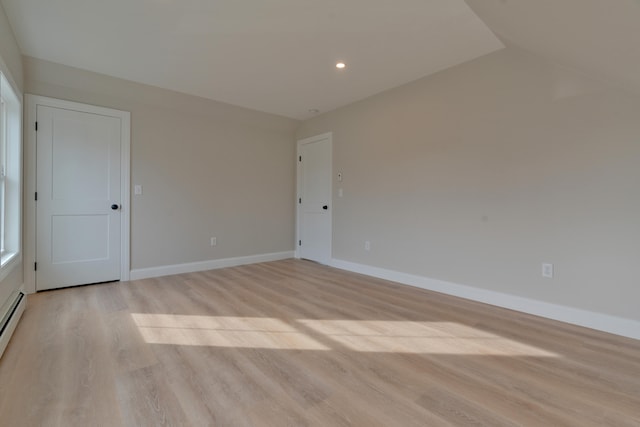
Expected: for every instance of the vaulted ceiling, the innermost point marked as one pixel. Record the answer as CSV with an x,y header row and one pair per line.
x,y
599,37
279,56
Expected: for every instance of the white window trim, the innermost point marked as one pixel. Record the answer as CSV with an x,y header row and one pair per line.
x,y
12,258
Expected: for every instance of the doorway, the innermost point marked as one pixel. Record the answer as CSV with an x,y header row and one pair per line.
x,y
79,169
315,198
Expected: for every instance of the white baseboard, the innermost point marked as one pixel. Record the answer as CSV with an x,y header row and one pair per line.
x,y
602,322
167,270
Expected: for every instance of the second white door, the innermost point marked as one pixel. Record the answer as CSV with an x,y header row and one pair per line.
x,y
314,199
78,213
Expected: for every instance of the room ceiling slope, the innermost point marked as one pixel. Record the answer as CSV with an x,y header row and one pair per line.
x,y
277,56
599,37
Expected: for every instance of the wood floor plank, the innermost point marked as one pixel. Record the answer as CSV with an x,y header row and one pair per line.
x,y
146,399
327,365
127,348
295,343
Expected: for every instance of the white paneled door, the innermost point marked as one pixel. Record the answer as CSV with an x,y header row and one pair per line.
x,y
314,199
79,197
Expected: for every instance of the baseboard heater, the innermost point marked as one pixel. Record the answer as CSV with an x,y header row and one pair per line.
x,y
10,320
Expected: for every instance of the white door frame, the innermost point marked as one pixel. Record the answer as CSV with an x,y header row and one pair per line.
x,y
32,102
301,142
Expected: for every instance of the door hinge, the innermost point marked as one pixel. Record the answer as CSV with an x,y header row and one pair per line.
x,y
300,200
36,126
300,158
299,242
35,266
36,198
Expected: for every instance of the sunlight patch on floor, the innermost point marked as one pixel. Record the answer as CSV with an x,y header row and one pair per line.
x,y
387,336
228,323
222,331
375,336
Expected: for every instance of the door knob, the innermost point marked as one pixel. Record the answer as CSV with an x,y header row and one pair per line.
x,y
325,207
115,207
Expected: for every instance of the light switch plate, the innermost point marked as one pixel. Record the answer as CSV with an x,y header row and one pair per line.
x,y
547,270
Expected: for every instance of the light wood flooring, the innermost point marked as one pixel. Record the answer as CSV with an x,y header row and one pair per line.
x,y
292,343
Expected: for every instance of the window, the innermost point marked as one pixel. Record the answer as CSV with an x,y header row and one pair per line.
x,y
10,173
3,169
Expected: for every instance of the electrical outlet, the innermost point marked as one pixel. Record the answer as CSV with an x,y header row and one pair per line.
x,y
214,241
367,245
547,270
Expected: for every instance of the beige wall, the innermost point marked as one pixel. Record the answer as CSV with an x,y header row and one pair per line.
x,y
10,56
11,66
207,168
482,172
475,176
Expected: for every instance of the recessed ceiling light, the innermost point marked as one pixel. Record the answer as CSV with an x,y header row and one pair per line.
x,y
314,110
340,65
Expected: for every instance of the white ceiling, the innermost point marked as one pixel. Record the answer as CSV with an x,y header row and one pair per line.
x,y
276,56
600,37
